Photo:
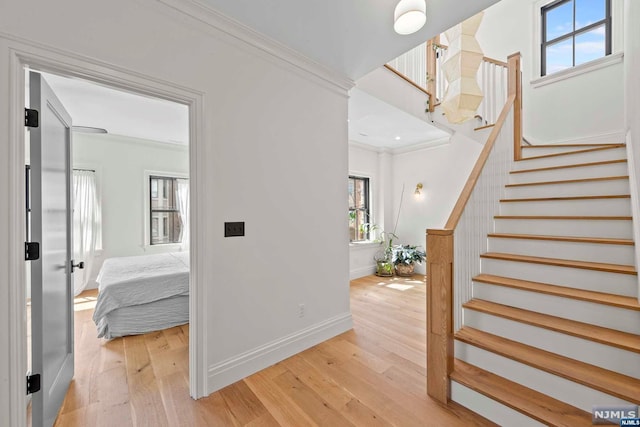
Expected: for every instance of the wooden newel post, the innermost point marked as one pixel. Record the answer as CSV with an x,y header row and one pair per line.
x,y
515,87
431,71
439,313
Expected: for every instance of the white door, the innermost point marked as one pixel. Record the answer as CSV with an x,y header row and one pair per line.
x,y
51,226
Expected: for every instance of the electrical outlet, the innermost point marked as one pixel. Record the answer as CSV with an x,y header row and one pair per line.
x,y
301,310
233,229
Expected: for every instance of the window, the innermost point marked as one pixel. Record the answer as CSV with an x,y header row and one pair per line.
x,y
574,32
166,225
358,208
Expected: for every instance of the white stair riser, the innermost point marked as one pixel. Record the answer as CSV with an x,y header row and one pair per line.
x,y
619,229
568,189
572,159
575,394
567,308
598,171
581,251
590,207
489,408
592,280
606,356
529,151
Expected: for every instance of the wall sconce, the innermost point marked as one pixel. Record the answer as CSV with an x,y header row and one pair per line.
x,y
409,16
418,192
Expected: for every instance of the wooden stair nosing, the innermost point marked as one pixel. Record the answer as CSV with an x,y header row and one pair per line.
x,y
595,377
596,144
564,198
566,217
600,240
531,403
623,340
569,181
571,152
558,262
576,165
619,301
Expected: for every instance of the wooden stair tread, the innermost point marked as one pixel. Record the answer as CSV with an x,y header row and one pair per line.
x,y
596,144
575,165
532,403
553,199
569,181
602,240
619,301
595,377
586,265
612,337
566,217
566,153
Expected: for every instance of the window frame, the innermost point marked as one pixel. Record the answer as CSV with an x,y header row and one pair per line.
x,y
367,203
544,43
150,179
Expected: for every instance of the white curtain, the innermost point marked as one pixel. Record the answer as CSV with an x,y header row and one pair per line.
x,y
86,225
182,199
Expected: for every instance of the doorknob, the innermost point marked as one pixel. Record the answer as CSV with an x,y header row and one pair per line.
x,y
79,265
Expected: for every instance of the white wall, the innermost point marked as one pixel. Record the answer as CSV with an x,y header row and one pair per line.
x,y
443,171
121,163
587,106
275,142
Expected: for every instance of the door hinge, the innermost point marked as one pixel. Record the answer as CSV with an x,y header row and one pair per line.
x,y
33,383
31,118
31,251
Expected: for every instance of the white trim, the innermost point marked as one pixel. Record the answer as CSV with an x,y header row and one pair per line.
x,y
234,369
587,67
615,137
635,200
222,24
362,271
405,149
19,53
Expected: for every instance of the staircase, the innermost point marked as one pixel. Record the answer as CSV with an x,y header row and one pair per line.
x,y
554,324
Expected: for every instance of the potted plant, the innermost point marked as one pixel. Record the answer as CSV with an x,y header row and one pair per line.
x,y
384,257
405,257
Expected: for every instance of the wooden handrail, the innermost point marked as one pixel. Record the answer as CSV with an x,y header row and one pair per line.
x,y
440,250
456,213
495,61
407,79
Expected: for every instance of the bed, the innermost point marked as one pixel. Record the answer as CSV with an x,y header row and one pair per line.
x,y
141,294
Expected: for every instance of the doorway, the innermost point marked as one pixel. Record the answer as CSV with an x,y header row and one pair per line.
x,y
27,56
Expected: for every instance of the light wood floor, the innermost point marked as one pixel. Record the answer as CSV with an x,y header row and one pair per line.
x,y
373,375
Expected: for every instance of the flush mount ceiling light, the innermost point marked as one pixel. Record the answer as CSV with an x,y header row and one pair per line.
x,y
409,16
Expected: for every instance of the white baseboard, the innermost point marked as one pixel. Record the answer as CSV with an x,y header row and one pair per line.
x,y
252,361
616,137
362,271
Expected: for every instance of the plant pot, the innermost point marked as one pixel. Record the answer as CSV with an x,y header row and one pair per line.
x,y
405,270
384,268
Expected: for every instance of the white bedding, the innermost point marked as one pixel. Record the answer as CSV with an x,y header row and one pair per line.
x,y
129,282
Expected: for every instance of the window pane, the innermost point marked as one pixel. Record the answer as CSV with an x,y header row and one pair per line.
x,y
559,20
352,195
590,45
164,196
559,56
352,226
165,227
589,11
360,194
361,221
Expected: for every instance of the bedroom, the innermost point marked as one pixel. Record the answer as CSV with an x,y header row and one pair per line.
x,y
130,184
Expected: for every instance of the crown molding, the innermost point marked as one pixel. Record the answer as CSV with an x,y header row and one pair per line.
x,y
198,10
401,150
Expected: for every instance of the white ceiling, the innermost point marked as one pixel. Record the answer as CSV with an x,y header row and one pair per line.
x,y
351,37
376,123
121,113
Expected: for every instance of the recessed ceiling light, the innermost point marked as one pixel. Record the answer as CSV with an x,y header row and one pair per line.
x,y
397,138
